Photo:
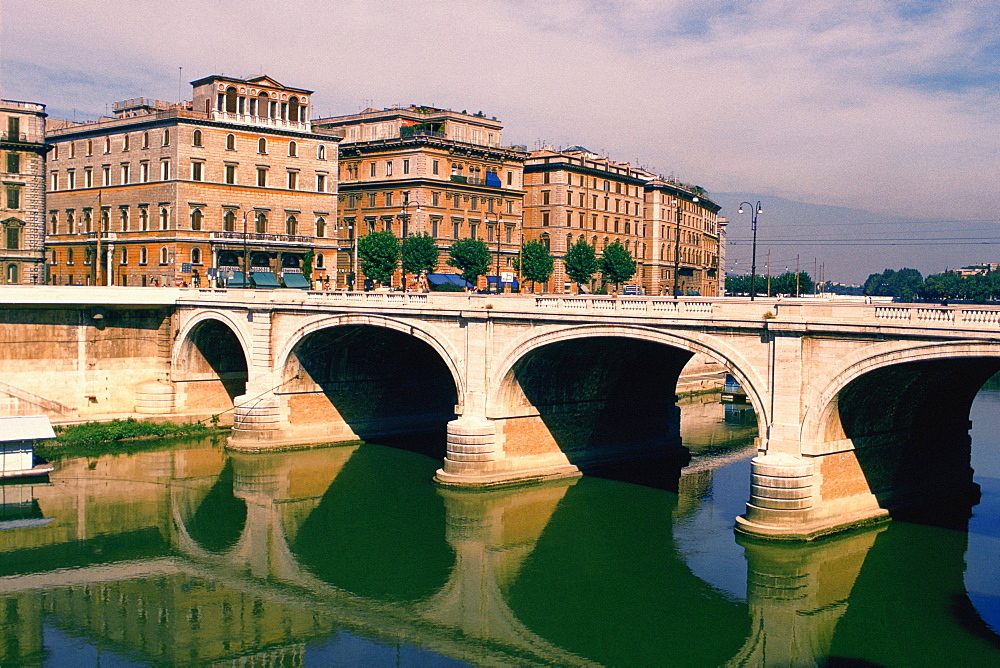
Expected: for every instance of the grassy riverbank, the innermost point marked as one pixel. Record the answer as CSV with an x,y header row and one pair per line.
x,y
117,436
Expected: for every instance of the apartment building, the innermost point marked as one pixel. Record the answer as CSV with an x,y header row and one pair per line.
x,y
22,207
171,194
575,193
419,169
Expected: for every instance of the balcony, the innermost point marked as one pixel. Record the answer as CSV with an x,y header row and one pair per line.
x,y
258,239
260,121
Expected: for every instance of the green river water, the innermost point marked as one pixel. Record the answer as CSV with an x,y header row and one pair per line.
x,y
186,554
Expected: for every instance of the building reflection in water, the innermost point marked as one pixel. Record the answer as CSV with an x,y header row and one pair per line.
x,y
189,555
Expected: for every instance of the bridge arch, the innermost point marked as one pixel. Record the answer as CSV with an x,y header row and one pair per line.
x,y
351,376
210,360
565,392
893,426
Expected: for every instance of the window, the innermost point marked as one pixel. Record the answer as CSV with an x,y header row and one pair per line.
x,y
144,172
13,237
456,228
164,218
260,224
55,180
126,168
13,197
166,138
69,256
388,167
88,221
435,222
107,145
229,221
230,174
14,127
163,255
262,177
388,199
320,228
435,199
406,166
293,149
545,197
106,175
143,256
545,218
230,142
143,219
196,255
321,183
434,167
70,179
473,230
123,214
291,226
371,199
510,178
72,149
106,219
13,163
545,177
53,223
123,257
145,140
88,178
293,180
262,145
164,170
371,169
510,206
320,261
197,171
125,142
90,147
70,222
196,138
321,152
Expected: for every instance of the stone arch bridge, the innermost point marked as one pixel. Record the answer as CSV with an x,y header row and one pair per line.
x,y
862,408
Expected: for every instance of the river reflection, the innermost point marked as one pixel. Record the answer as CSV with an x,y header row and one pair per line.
x,y
350,555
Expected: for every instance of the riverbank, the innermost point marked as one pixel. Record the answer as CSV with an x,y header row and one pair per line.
x,y
118,436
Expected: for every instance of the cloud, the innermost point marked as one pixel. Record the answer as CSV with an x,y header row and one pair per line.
x,y
889,106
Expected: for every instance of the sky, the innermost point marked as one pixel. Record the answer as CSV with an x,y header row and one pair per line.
x,y
890,108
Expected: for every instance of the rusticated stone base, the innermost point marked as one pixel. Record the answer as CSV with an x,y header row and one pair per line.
x,y
474,460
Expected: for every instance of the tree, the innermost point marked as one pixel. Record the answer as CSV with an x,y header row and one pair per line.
x,y
471,257
904,284
307,264
738,284
581,262
420,253
617,265
379,255
536,262
785,284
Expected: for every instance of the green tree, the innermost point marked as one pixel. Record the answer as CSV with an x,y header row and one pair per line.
x,y
307,264
904,284
379,255
536,262
420,253
946,285
785,284
471,257
581,262
738,284
617,264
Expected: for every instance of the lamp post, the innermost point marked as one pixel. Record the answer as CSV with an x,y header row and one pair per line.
x,y
404,219
753,257
246,252
354,253
677,242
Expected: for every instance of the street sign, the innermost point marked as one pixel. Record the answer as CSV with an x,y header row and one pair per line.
x,y
506,277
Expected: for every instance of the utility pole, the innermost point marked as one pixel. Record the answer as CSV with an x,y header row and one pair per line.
x,y
768,272
796,275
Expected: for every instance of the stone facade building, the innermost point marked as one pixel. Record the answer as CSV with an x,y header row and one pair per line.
x,y
574,193
419,169
165,193
22,208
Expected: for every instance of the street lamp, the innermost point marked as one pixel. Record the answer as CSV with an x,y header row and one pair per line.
x,y
246,252
753,258
354,253
677,242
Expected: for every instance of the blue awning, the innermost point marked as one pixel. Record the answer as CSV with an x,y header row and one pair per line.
x,y
236,281
293,280
264,279
454,279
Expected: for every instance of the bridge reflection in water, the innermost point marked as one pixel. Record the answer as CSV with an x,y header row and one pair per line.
x,y
190,554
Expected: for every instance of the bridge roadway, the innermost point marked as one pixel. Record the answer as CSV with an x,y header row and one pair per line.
x,y
862,408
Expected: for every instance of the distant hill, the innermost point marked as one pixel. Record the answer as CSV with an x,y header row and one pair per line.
x,y
847,240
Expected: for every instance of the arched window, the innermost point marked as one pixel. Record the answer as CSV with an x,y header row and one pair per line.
x,y
12,273
321,152
320,228
143,219
90,147
143,255
263,106
123,258
293,149
166,137
262,145
293,109
54,223
69,256
163,255
196,255
196,139
545,241
320,261
230,142
231,100
229,221
145,140
291,226
107,144
260,223
164,218
125,142
124,217
196,217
